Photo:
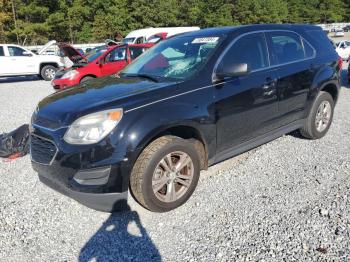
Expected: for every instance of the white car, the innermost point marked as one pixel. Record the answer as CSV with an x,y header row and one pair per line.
x,y
343,49
141,35
339,33
16,60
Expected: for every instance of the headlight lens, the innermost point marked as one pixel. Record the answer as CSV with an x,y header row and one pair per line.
x,y
70,74
93,128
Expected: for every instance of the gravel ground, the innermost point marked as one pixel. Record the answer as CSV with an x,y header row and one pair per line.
x,y
286,200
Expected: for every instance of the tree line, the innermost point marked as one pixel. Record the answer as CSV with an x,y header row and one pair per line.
x,y
82,21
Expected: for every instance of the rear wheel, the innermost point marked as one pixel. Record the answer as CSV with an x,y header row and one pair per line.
x,y
48,72
165,174
320,117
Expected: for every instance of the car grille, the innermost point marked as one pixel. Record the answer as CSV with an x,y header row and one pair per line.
x,y
42,150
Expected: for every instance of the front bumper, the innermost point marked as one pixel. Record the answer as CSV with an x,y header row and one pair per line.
x,y
63,83
106,202
93,194
96,176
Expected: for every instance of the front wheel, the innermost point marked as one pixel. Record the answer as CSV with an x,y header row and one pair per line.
x,y
48,72
320,118
165,174
86,79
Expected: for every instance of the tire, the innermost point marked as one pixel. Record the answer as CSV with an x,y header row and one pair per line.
x,y
48,72
148,169
86,79
311,130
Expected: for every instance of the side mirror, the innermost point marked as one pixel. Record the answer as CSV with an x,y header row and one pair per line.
x,y
233,70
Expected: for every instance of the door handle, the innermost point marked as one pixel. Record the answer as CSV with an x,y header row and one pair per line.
x,y
269,88
269,83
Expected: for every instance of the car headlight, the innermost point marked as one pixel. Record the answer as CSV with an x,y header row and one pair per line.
x,y
70,74
93,128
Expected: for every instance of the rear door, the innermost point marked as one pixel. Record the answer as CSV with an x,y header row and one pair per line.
x,y
114,61
246,106
295,72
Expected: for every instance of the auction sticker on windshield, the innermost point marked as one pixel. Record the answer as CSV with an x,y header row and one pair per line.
x,y
205,40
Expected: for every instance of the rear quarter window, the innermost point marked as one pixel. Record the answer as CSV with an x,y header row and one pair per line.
x,y
309,50
320,41
2,51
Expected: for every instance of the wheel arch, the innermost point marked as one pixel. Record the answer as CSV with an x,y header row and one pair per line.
x,y
184,131
41,65
88,75
332,89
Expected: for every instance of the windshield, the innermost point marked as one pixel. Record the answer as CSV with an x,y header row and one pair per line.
x,y
176,58
128,40
93,55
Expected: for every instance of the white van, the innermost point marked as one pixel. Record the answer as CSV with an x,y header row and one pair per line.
x,y
141,35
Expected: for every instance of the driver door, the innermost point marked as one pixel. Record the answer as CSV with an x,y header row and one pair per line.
x,y
246,105
20,61
114,61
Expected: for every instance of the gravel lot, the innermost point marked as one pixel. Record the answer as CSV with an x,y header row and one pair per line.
x,y
286,200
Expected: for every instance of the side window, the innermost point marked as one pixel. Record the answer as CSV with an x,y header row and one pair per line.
x,y
251,50
117,54
309,50
2,51
139,40
16,51
136,52
286,47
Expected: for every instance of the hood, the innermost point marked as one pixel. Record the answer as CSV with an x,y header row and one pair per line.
x,y
46,46
62,108
69,51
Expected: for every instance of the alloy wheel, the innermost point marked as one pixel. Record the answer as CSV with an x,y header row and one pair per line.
x,y
323,116
50,73
173,176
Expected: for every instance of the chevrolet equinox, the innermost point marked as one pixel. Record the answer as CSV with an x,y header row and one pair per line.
x,y
190,102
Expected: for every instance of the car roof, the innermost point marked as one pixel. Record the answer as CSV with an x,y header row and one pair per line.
x,y
254,27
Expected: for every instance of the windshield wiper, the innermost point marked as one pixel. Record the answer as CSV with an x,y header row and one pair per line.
x,y
150,77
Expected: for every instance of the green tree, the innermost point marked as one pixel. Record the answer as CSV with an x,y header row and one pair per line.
x,y
331,11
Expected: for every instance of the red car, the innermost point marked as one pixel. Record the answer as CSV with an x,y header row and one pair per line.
x,y
96,64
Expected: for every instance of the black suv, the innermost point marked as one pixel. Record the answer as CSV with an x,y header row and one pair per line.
x,y
186,104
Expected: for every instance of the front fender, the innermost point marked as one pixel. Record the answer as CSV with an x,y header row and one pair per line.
x,y
143,125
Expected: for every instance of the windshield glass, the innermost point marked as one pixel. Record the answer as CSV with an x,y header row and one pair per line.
x,y
128,40
93,55
176,58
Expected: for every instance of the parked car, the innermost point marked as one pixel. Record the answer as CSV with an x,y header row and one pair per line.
x,y
141,35
339,33
343,49
20,61
346,28
188,103
96,64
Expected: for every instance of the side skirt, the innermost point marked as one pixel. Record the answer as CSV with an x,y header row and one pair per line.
x,y
255,142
